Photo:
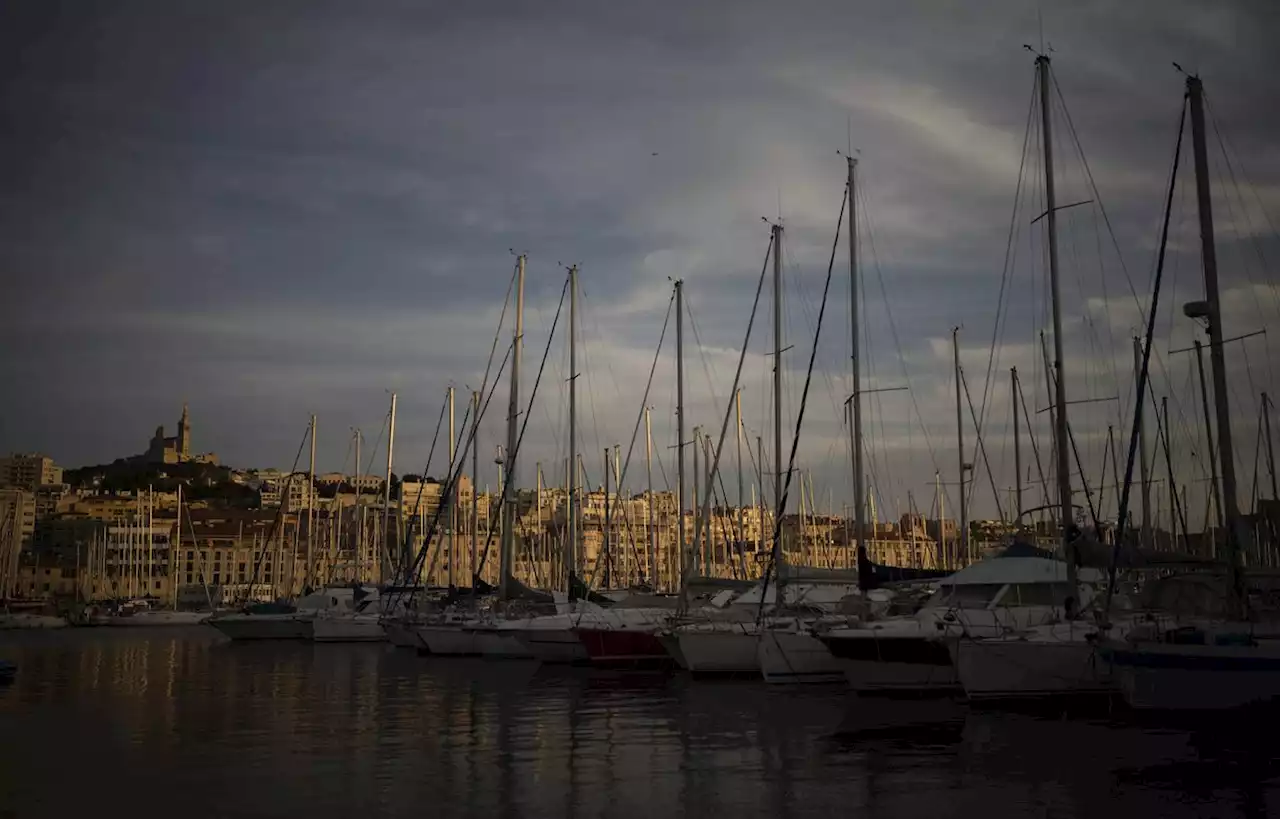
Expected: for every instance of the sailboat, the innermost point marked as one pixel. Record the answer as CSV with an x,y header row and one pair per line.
x,y
1211,660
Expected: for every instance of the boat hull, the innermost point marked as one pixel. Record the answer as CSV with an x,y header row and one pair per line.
x,y
999,669
556,646
30,621
886,664
154,619
714,652
240,627
448,641
1195,677
401,634
788,658
621,647
347,630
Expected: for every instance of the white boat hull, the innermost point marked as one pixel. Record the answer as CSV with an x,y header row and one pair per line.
x,y
347,630
716,652
241,627
1161,676
553,645
448,641
151,619
1027,669
502,644
401,634
791,658
30,621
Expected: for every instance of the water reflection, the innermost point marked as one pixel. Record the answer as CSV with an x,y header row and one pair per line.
x,y
126,721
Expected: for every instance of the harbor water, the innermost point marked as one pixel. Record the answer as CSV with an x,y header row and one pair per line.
x,y
177,721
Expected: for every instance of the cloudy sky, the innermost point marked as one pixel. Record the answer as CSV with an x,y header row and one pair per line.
x,y
275,209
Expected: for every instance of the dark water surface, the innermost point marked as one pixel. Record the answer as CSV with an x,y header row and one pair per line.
x,y
179,723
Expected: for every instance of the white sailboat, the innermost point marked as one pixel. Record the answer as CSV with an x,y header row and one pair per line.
x,y
988,598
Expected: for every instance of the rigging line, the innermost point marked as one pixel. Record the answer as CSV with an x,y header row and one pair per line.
x,y
1002,306
644,402
981,447
431,454
373,451
1106,218
1146,357
1257,245
447,489
804,398
702,350
508,474
897,341
1035,447
275,525
685,570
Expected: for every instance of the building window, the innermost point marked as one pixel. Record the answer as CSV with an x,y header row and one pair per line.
x,y
157,585
189,580
242,569
216,578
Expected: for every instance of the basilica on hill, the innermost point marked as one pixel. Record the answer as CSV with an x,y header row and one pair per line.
x,y
175,449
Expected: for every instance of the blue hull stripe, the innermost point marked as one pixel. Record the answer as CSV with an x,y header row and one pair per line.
x,y
1190,662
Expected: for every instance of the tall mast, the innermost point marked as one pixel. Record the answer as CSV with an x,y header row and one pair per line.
x,y
386,505
962,539
1017,449
709,503
760,484
453,507
1209,257
1271,455
475,488
513,418
680,533
360,557
571,468
652,528
311,504
741,499
778,555
608,556
1066,517
1173,487
855,358
696,507
1208,432
1144,469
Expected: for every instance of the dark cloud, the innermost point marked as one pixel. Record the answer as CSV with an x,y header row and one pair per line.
x,y
269,210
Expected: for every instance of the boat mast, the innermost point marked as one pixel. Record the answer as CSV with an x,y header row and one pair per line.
x,y
386,495
1017,449
962,540
1144,469
653,529
453,494
360,556
855,400
741,499
778,553
571,468
475,488
680,529
760,484
608,556
505,585
1213,313
696,507
1271,455
311,505
1060,388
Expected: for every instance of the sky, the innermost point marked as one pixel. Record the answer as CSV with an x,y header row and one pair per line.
x,y
270,210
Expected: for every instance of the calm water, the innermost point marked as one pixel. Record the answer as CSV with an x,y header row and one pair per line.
x,y
181,723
